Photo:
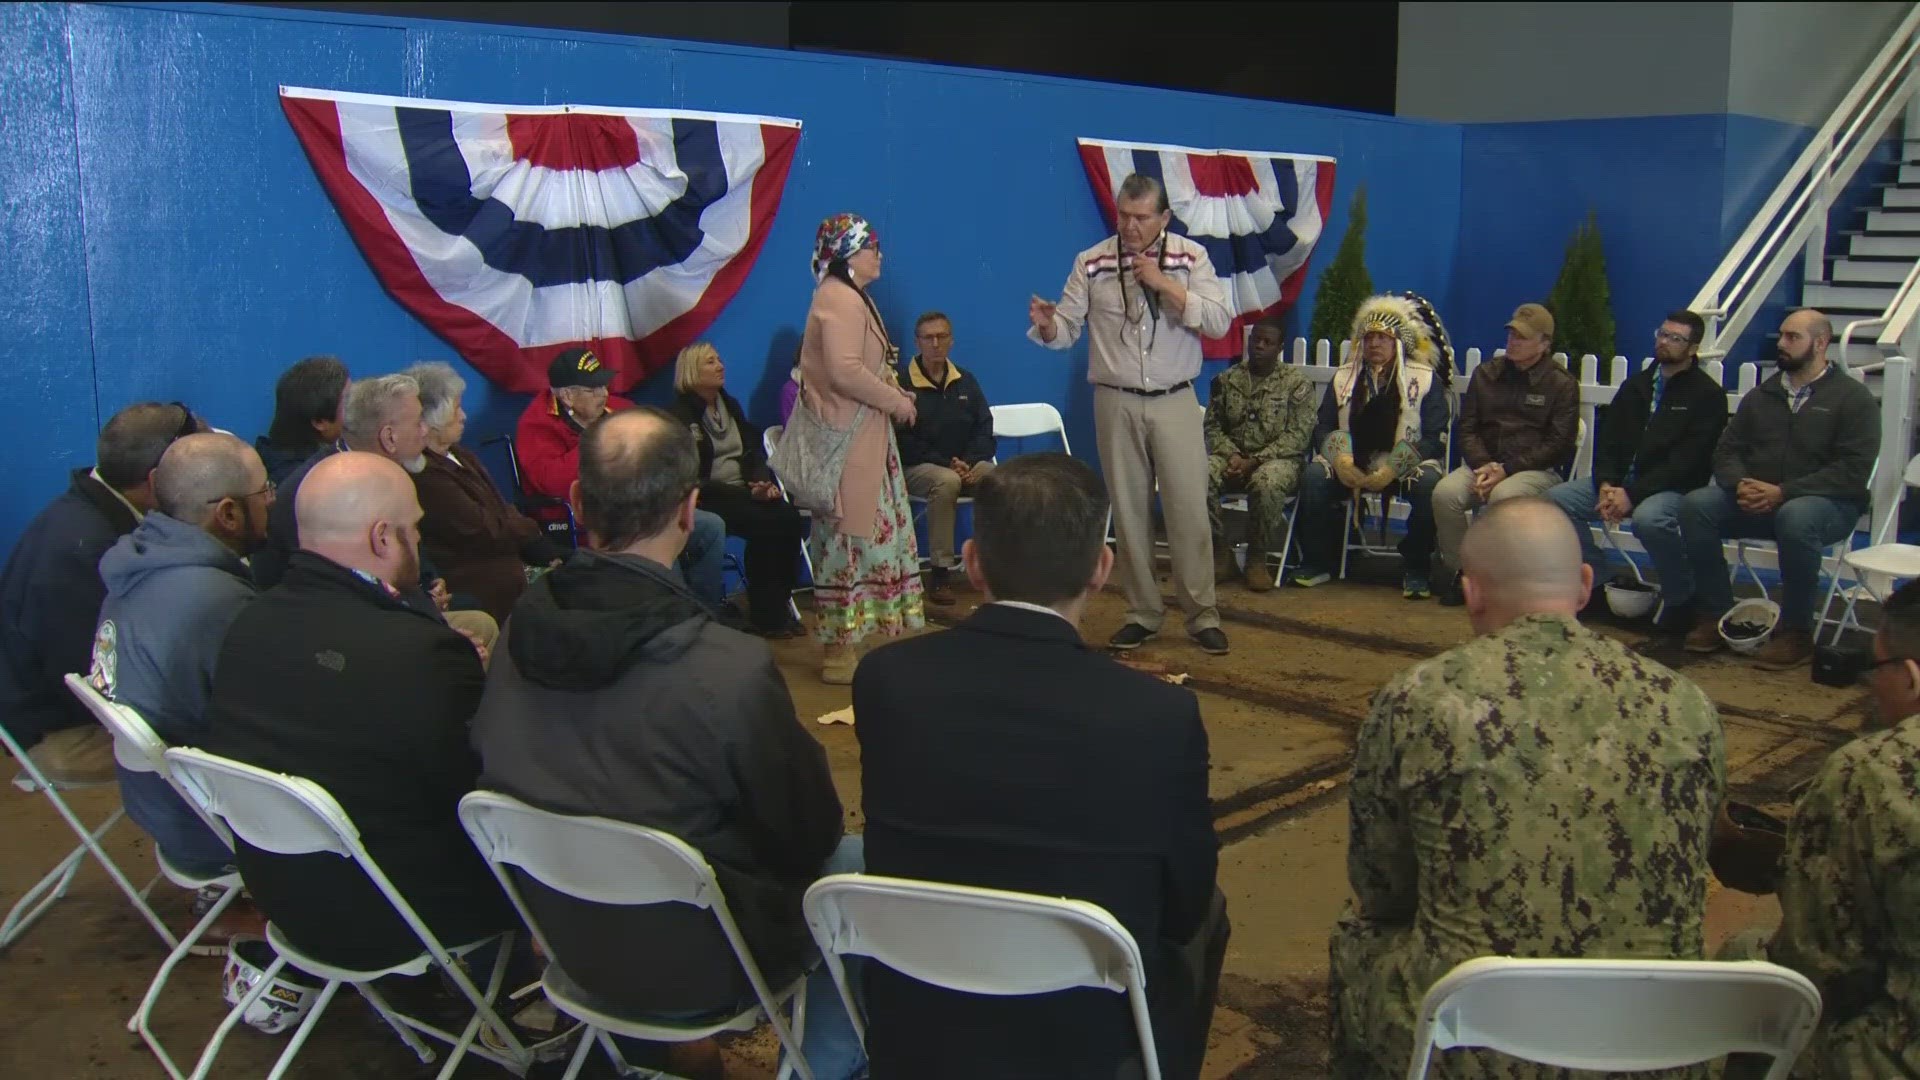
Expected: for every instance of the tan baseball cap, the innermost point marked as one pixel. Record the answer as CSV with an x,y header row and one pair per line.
x,y
1532,320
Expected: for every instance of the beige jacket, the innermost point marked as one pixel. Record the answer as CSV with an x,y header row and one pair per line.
x,y
843,365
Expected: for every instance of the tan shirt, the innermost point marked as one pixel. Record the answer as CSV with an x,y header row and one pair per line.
x,y
1131,349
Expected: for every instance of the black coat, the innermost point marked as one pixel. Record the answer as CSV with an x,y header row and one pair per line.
x,y
753,452
1673,448
50,597
1008,754
614,693
1827,448
328,677
952,420
270,563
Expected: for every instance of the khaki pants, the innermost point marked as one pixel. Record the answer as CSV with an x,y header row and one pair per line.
x,y
476,624
1142,440
1453,497
941,487
75,755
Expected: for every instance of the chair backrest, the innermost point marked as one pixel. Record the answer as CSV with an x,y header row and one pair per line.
x,y
135,746
593,858
1913,472
1618,1015
1028,419
978,941
287,815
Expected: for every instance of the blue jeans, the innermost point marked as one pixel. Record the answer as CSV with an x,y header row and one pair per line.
x,y
177,831
1320,528
1656,524
1802,529
704,561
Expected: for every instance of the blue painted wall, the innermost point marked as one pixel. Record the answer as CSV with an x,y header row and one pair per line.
x,y
168,238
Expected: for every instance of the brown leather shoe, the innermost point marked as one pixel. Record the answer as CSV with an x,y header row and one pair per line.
x,y
938,587
1786,650
241,919
1259,575
1704,638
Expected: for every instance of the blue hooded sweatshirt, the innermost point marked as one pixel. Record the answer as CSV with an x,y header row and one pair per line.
x,y
172,591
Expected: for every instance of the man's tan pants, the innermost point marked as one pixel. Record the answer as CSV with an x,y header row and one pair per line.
x,y
1143,439
1453,497
942,488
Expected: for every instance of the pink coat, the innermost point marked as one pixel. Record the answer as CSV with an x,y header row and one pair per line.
x,y
843,365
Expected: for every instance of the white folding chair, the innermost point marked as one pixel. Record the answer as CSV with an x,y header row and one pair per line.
x,y
1884,558
768,438
977,941
138,749
289,815
1029,420
1618,1015
36,900
1383,504
616,862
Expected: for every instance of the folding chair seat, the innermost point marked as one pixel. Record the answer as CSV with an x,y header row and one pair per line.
x,y
1618,1015
137,748
618,863
977,941
290,815
1885,558
36,900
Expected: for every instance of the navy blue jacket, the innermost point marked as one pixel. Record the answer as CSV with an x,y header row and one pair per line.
x,y
954,420
50,596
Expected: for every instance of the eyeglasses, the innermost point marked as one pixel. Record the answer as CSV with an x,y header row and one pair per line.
x,y
268,490
1668,335
936,337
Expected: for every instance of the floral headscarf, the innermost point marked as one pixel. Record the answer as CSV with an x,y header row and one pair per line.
x,y
841,236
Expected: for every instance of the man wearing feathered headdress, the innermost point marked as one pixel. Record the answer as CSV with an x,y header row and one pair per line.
x,y
1381,429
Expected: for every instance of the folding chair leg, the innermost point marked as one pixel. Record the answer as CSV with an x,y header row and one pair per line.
x,y
792,1061
374,998
91,841
138,1024
306,1028
45,891
484,1013
212,1049
588,1039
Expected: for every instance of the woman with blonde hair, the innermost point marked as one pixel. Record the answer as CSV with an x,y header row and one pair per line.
x,y
866,569
736,484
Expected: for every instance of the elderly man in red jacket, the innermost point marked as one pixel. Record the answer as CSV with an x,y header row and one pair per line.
x,y
548,445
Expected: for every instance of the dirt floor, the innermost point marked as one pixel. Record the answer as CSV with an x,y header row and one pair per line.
x,y
1281,711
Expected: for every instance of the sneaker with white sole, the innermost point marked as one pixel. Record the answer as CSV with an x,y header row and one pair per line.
x,y
1305,578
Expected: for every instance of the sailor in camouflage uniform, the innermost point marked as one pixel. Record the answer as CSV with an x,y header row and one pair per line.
x,y
1541,791
1260,418
1850,879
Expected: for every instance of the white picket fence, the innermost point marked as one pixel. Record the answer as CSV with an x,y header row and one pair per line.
x,y
1891,381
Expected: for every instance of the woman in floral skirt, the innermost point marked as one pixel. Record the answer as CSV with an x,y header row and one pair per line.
x,y
866,569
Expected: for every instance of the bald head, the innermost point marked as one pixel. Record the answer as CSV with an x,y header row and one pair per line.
x,y
198,471
1814,324
1801,351
637,466
346,494
1522,557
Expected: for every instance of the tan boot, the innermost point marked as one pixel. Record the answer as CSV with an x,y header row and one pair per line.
x,y
1787,649
1259,575
1224,568
836,668
1705,636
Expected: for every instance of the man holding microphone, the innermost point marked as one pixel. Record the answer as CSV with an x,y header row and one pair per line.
x,y
1145,298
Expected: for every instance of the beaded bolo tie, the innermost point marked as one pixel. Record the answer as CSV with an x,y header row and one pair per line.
x,y
1150,299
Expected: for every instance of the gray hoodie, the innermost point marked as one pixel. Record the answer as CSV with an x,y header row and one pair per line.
x,y
172,591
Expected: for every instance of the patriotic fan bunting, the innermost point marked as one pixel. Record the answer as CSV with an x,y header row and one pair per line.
x,y
516,232
1257,214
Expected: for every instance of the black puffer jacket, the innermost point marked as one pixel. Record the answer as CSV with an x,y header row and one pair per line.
x,y
613,693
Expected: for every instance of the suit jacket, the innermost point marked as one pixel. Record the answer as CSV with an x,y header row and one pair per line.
x,y
844,365
329,677
471,533
1008,754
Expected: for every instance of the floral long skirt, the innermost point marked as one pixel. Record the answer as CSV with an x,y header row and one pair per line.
x,y
866,587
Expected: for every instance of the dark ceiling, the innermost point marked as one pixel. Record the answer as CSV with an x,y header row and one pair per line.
x,y
1336,54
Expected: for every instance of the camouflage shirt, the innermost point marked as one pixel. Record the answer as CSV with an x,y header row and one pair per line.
x,y
1539,791
1266,419
1850,906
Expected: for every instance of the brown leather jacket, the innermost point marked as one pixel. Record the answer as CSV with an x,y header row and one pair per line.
x,y
1525,420
474,536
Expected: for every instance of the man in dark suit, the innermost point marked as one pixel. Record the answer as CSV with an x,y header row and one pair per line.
x,y
330,676
1050,769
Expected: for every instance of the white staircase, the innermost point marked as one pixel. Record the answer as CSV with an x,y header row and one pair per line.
x,y
1872,262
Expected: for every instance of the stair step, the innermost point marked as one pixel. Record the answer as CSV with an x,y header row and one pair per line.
x,y
1859,271
1893,221
1904,247
1824,296
1900,198
1910,174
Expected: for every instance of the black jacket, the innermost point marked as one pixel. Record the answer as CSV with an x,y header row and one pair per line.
x,y
281,461
1673,448
1827,448
753,452
953,420
613,693
1041,766
50,596
328,677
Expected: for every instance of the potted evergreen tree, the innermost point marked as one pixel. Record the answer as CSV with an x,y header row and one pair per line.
x,y
1345,283
1581,302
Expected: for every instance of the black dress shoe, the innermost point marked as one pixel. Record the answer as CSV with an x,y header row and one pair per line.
x,y
1130,636
1212,640
1450,593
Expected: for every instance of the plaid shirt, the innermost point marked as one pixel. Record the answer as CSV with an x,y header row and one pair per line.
x,y
1798,396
